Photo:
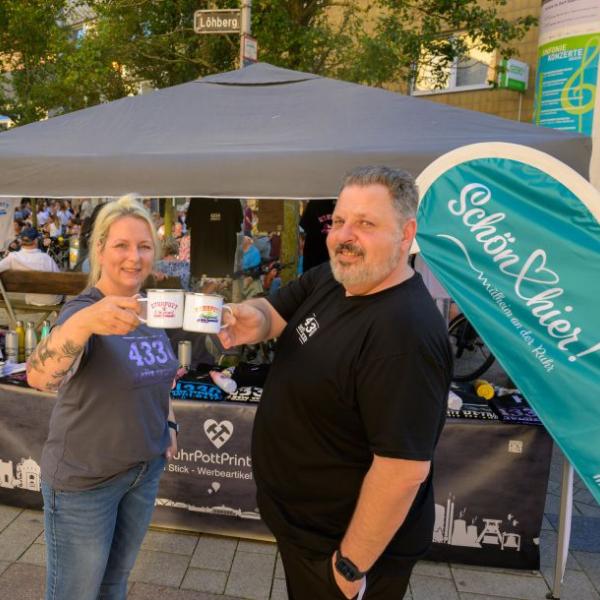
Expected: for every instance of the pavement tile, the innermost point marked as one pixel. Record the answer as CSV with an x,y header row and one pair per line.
x,y
585,533
588,510
517,572
552,505
8,514
174,543
525,587
20,534
279,591
575,586
205,580
553,488
214,552
4,564
548,541
144,591
433,569
35,555
41,539
432,588
279,570
590,563
251,575
546,524
160,568
259,547
584,495
23,582
468,596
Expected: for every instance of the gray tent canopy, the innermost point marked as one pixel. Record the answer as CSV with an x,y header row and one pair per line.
x,y
261,131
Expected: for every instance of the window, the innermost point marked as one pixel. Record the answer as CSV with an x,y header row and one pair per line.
x,y
471,71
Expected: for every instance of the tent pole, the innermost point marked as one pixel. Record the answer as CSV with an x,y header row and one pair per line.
x,y
564,529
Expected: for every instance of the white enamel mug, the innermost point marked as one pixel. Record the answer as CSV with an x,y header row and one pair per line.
x,y
163,308
204,312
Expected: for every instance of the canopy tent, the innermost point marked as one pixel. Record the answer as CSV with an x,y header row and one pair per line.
x,y
261,131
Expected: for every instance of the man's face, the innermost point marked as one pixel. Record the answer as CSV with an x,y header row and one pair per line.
x,y
368,247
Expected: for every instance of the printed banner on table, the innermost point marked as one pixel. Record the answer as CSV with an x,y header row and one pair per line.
x,y
514,236
567,66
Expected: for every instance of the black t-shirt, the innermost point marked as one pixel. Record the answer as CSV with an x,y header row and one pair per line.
x,y
316,222
215,223
352,377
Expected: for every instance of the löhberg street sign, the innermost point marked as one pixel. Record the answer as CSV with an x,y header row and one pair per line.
x,y
218,21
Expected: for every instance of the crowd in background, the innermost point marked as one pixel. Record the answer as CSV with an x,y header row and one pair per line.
x,y
63,227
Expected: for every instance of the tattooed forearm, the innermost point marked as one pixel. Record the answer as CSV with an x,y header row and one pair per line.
x,y
70,349
54,359
58,355
42,353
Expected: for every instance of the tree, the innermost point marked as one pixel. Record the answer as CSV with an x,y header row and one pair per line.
x,y
48,70
377,42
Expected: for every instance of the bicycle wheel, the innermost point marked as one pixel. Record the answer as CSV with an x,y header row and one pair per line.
x,y
472,358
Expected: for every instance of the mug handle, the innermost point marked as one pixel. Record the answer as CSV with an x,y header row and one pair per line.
x,y
138,316
226,307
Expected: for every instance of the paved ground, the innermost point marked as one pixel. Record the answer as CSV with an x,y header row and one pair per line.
x,y
175,566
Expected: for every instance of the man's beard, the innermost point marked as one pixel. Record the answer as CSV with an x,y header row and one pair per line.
x,y
360,273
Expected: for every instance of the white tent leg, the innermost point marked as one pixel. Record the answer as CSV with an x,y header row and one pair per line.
x,y
564,528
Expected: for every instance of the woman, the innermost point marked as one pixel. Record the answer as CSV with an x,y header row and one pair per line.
x,y
170,266
112,425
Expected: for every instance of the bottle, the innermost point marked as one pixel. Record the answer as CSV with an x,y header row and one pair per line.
x,y
30,339
21,337
11,346
45,330
484,389
184,351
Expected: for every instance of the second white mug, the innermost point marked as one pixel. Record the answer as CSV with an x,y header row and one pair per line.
x,y
204,312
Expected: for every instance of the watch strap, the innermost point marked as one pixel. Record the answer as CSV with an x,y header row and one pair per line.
x,y
346,568
173,425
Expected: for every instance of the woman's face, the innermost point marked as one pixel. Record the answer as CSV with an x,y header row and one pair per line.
x,y
127,257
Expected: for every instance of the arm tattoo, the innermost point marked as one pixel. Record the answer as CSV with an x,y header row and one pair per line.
x,y
70,349
40,355
44,352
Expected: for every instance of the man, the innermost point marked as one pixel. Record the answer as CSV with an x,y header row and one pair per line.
x,y
31,258
354,402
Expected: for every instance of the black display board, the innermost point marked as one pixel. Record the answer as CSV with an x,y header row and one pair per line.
x,y
490,478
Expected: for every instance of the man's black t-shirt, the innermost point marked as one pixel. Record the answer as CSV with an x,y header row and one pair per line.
x,y
353,376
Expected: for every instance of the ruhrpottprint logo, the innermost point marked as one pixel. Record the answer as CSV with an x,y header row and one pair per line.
x,y
218,432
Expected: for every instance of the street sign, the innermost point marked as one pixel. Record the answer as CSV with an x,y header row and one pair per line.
x,y
218,21
249,49
514,75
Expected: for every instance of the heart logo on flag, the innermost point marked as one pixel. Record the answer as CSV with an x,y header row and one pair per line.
x,y
218,432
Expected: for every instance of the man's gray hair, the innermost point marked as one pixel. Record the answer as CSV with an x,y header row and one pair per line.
x,y
400,184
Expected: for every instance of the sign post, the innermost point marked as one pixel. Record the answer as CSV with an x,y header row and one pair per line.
x,y
514,75
246,29
230,20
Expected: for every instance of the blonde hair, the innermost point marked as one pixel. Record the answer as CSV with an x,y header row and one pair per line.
x,y
125,206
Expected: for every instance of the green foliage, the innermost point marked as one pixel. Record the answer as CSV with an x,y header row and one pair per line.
x,y
47,69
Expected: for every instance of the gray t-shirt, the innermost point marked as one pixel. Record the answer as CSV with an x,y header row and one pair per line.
x,y
112,414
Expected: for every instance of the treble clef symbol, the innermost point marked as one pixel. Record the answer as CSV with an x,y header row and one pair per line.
x,y
576,88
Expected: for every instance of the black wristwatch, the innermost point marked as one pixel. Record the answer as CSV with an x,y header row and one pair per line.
x,y
346,568
174,426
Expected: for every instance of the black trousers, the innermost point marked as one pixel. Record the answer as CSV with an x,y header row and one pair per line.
x,y
312,579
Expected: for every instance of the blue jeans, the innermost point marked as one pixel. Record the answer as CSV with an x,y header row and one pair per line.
x,y
93,536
